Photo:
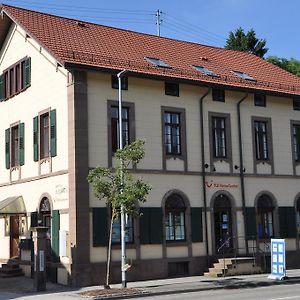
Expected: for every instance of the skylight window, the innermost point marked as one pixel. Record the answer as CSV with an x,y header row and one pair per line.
x,y
205,71
157,62
243,75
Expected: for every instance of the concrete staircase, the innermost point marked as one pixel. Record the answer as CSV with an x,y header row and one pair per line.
x,y
10,269
234,266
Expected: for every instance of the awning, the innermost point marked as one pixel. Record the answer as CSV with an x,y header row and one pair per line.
x,y
12,206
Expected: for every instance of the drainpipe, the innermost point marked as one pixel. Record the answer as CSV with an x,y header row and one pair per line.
x,y
242,168
203,172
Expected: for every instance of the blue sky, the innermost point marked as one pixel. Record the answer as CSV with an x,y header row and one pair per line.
x,y
207,22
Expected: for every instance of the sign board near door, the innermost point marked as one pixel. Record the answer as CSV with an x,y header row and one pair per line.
x,y
277,259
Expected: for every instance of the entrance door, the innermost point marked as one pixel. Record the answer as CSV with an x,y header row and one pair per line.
x,y
14,237
223,225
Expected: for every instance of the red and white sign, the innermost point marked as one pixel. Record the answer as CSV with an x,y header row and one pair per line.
x,y
217,185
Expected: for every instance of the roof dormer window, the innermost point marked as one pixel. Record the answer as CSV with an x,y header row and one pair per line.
x,y
157,62
243,75
205,71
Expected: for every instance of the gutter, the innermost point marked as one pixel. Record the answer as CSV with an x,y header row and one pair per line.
x,y
241,168
203,172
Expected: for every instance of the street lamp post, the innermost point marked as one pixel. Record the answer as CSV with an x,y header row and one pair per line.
x,y
123,245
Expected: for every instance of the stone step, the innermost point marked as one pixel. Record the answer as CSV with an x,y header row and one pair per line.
x,y
8,275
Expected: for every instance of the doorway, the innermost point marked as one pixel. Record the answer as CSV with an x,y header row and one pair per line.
x,y
223,225
14,236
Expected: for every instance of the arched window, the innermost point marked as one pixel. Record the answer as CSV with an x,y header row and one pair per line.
x,y
45,213
265,217
175,218
298,216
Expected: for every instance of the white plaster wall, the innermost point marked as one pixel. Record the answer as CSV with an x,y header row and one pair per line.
x,y
47,90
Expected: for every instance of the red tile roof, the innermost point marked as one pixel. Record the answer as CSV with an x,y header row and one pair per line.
x,y
78,42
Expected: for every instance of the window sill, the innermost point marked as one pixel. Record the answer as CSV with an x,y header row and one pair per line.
x,y
176,243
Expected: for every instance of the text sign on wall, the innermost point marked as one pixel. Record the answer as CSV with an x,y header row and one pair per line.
x,y
277,259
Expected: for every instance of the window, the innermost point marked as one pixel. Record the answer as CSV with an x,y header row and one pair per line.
x,y
116,230
14,146
157,62
205,71
175,218
298,217
265,211
261,140
219,137
15,79
260,100
296,103
115,82
44,135
172,133
296,141
243,75
172,89
218,94
115,127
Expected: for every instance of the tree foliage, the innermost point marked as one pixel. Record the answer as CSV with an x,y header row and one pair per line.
x,y
118,187
291,65
246,42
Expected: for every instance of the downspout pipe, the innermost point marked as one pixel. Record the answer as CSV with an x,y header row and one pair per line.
x,y
203,171
241,168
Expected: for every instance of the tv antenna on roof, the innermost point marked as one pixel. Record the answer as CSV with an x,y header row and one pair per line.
x,y
158,21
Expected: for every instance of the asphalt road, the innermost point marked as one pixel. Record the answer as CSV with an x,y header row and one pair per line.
x,y
276,292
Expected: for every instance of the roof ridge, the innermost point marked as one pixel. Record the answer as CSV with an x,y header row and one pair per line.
x,y
128,30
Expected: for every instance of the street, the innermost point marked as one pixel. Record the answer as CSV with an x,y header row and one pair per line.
x,y
275,292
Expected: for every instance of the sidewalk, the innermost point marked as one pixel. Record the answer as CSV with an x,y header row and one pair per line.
x,y
24,286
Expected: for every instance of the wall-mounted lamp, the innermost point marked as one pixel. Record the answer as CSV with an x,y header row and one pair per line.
x,y
206,166
236,167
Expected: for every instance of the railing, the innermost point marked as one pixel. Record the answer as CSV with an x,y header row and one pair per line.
x,y
254,249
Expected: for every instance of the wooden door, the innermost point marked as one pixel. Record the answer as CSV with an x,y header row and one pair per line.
x,y
14,237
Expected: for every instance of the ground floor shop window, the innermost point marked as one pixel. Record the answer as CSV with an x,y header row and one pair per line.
x,y
116,230
175,218
265,217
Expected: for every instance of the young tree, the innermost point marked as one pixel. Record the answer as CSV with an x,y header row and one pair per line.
x,y
118,187
247,42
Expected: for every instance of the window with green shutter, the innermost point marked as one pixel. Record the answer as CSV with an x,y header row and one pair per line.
x,y
100,229
55,235
7,148
151,225
15,79
21,144
250,221
36,138
196,224
53,144
287,222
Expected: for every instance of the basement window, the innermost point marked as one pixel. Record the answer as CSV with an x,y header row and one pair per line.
x,y
205,71
157,62
243,75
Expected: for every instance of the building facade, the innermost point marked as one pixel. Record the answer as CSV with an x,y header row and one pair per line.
x,y
222,132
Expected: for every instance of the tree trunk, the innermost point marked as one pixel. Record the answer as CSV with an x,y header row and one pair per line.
x,y
109,255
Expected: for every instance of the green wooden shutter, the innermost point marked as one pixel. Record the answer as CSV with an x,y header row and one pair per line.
x,y
27,72
145,225
151,229
34,219
53,133
196,224
7,148
55,235
287,222
35,139
21,144
100,230
250,221
2,88
156,227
